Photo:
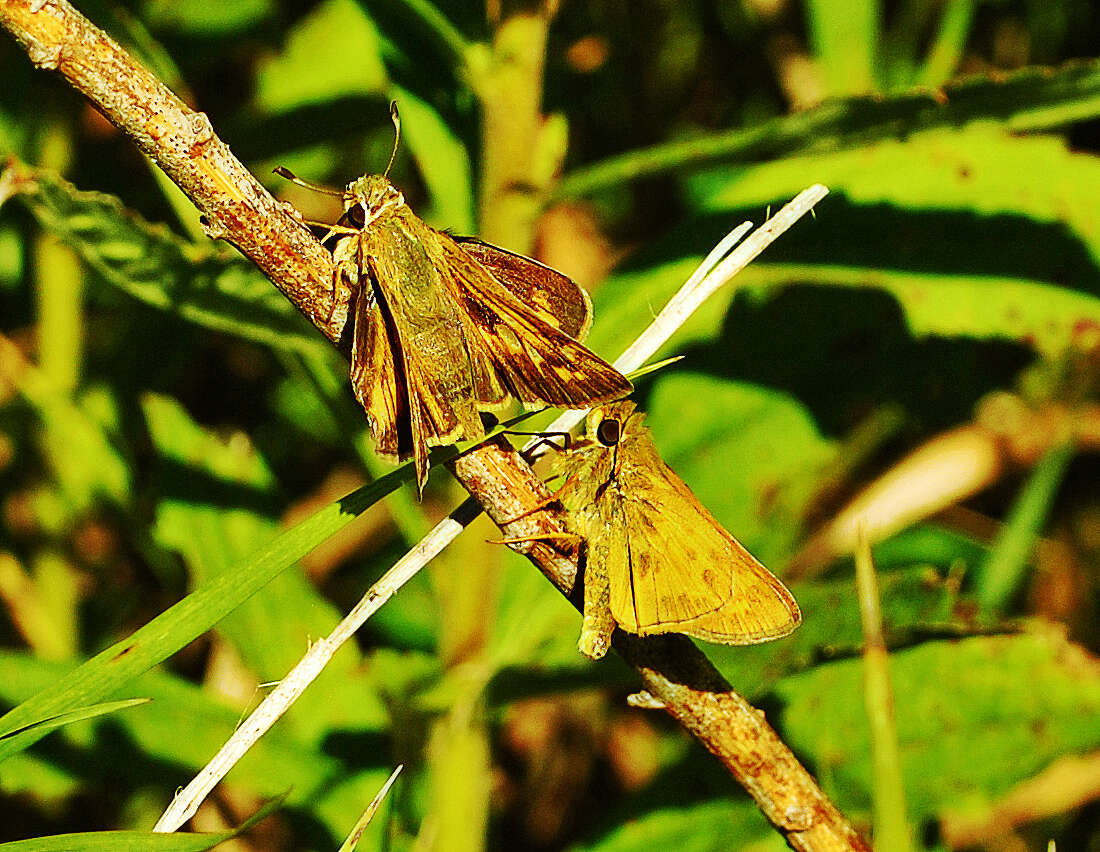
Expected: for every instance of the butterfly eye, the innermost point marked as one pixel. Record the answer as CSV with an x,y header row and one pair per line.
x,y
355,216
609,432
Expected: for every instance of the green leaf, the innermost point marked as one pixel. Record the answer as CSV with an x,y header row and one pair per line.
x,y
1003,573
1030,99
80,448
652,284
59,721
974,717
983,171
917,603
116,666
207,285
927,544
109,841
183,726
1034,313
11,255
39,776
422,18
535,627
1019,278
442,160
203,19
333,52
298,402
956,22
703,827
199,516
119,841
845,36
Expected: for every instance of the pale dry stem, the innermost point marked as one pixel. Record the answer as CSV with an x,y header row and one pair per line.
x,y
280,699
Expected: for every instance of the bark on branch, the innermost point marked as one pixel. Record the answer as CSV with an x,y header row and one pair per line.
x,y
182,142
672,668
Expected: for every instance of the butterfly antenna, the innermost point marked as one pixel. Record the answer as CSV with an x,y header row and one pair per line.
x,y
395,117
284,172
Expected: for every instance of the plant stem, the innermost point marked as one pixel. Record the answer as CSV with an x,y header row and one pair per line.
x,y
509,87
891,827
183,143
1002,574
59,280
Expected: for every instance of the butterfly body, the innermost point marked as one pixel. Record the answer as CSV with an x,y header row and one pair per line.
x,y
443,329
657,560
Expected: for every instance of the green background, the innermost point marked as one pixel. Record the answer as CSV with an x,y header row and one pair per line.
x,y
172,431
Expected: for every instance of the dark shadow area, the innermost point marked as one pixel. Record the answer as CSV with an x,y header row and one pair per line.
x,y
516,683
176,481
110,773
259,137
116,768
695,779
359,749
843,352
929,242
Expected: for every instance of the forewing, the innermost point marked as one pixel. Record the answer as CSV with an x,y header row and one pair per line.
x,y
555,298
684,573
449,374
538,362
379,383
380,378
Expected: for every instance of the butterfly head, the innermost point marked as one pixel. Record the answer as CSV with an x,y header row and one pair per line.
x,y
370,198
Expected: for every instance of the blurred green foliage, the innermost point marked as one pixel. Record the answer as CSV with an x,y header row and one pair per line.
x,y
175,440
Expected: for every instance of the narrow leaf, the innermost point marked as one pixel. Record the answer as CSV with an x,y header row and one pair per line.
x,y
113,668
207,284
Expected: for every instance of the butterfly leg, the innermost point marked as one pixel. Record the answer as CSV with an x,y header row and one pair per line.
x,y
348,277
574,538
545,439
538,507
543,504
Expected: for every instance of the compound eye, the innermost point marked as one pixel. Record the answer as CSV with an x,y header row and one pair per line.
x,y
609,432
355,216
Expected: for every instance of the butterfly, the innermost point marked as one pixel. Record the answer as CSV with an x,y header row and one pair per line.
x,y
656,560
443,328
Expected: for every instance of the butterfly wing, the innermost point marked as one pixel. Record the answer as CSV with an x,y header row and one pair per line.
x,y
553,297
538,362
682,572
413,331
380,388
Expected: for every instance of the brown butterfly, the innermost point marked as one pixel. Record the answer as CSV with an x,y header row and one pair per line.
x,y
657,560
444,328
